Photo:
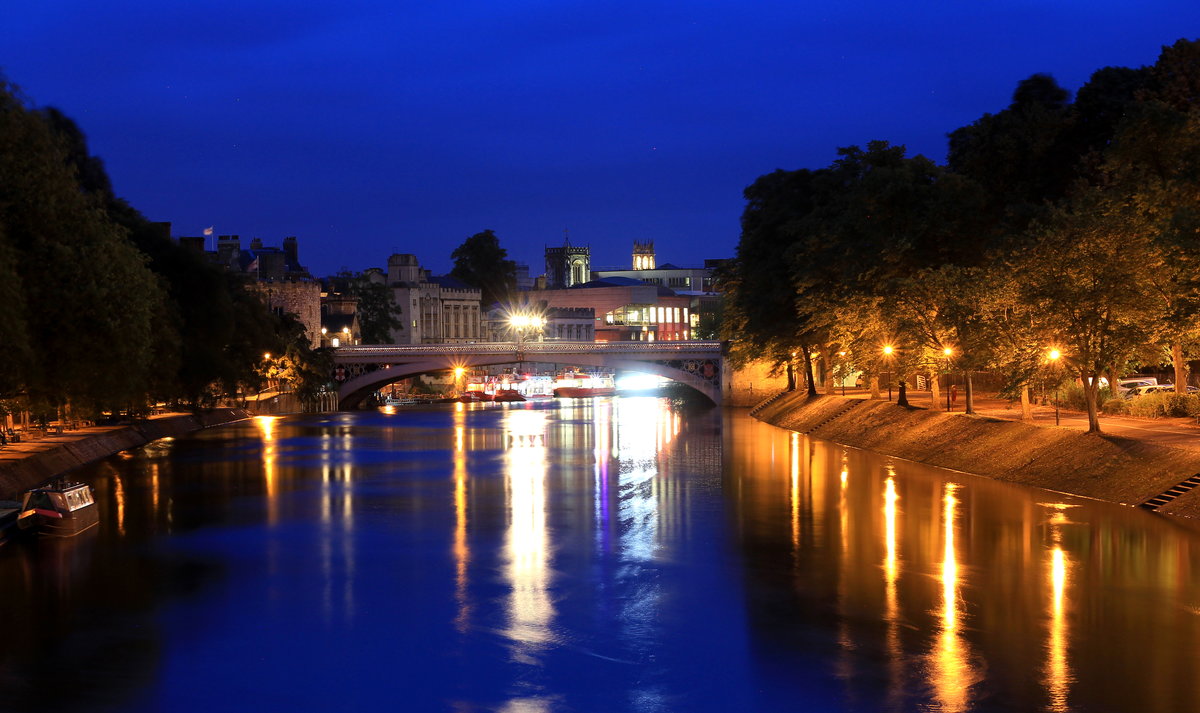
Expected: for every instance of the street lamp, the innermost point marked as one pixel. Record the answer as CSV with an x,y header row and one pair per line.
x,y
887,352
842,356
1054,355
948,353
522,322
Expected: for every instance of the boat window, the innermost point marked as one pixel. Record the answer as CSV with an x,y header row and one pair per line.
x,y
38,499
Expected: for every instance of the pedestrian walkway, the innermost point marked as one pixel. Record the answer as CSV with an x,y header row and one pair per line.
x,y
39,441
1170,432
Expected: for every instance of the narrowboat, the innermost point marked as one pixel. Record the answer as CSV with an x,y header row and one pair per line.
x,y
61,509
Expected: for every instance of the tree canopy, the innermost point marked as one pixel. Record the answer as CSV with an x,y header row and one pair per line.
x,y
481,262
1075,223
99,309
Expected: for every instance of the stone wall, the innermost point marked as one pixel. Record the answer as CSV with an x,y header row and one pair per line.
x,y
751,385
300,297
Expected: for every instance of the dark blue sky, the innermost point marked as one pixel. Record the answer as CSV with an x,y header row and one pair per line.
x,y
371,127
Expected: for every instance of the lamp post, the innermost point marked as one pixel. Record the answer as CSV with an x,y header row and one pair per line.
x,y
887,352
948,353
842,356
1054,355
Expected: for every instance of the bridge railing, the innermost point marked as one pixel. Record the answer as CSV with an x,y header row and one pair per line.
x,y
386,350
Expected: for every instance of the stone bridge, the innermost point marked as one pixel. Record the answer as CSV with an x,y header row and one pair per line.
x,y
361,370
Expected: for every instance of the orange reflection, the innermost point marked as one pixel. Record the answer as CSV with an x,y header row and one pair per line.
x,y
795,495
891,575
266,428
1057,669
119,497
462,553
951,674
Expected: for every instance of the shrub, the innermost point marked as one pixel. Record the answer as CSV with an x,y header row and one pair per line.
x,y
1073,398
1115,407
1160,404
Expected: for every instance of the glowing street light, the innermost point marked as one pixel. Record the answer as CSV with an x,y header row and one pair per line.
x,y
522,322
887,352
1054,355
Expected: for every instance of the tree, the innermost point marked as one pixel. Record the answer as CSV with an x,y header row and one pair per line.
x,y
378,313
1093,307
481,262
1021,156
90,304
1153,167
761,313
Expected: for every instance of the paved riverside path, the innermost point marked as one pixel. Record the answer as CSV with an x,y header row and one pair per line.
x,y
35,460
1170,432
29,447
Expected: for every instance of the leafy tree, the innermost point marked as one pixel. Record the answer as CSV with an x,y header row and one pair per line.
x,y
481,262
761,311
1021,155
378,313
1093,307
1153,168
90,303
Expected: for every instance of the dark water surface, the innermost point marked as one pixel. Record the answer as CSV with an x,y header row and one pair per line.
x,y
606,555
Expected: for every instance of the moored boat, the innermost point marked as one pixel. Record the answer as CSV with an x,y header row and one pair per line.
x,y
61,509
572,385
508,395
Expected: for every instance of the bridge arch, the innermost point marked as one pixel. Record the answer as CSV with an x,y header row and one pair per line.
x,y
373,367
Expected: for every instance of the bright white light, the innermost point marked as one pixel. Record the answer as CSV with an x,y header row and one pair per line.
x,y
634,381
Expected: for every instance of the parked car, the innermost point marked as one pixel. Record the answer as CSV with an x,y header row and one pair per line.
x,y
1125,385
1157,389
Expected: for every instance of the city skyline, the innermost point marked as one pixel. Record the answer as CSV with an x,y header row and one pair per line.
x,y
366,130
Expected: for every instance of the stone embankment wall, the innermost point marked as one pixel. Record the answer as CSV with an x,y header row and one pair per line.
x,y
21,474
1104,467
750,385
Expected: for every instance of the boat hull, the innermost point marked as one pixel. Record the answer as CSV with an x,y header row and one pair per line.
x,y
583,392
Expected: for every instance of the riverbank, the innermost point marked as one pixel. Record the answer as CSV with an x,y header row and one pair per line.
x,y
30,463
1113,468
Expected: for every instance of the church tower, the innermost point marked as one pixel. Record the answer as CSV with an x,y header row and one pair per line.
x,y
568,265
643,255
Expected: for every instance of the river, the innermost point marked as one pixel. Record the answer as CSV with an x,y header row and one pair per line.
x,y
592,555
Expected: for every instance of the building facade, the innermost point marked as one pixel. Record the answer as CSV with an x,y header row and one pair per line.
x,y
275,274
433,309
626,310
568,265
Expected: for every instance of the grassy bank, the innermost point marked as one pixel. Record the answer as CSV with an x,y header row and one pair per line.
x,y
1105,467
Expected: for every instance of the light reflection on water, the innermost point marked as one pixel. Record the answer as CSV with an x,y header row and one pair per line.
x,y
531,612
608,554
1095,615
